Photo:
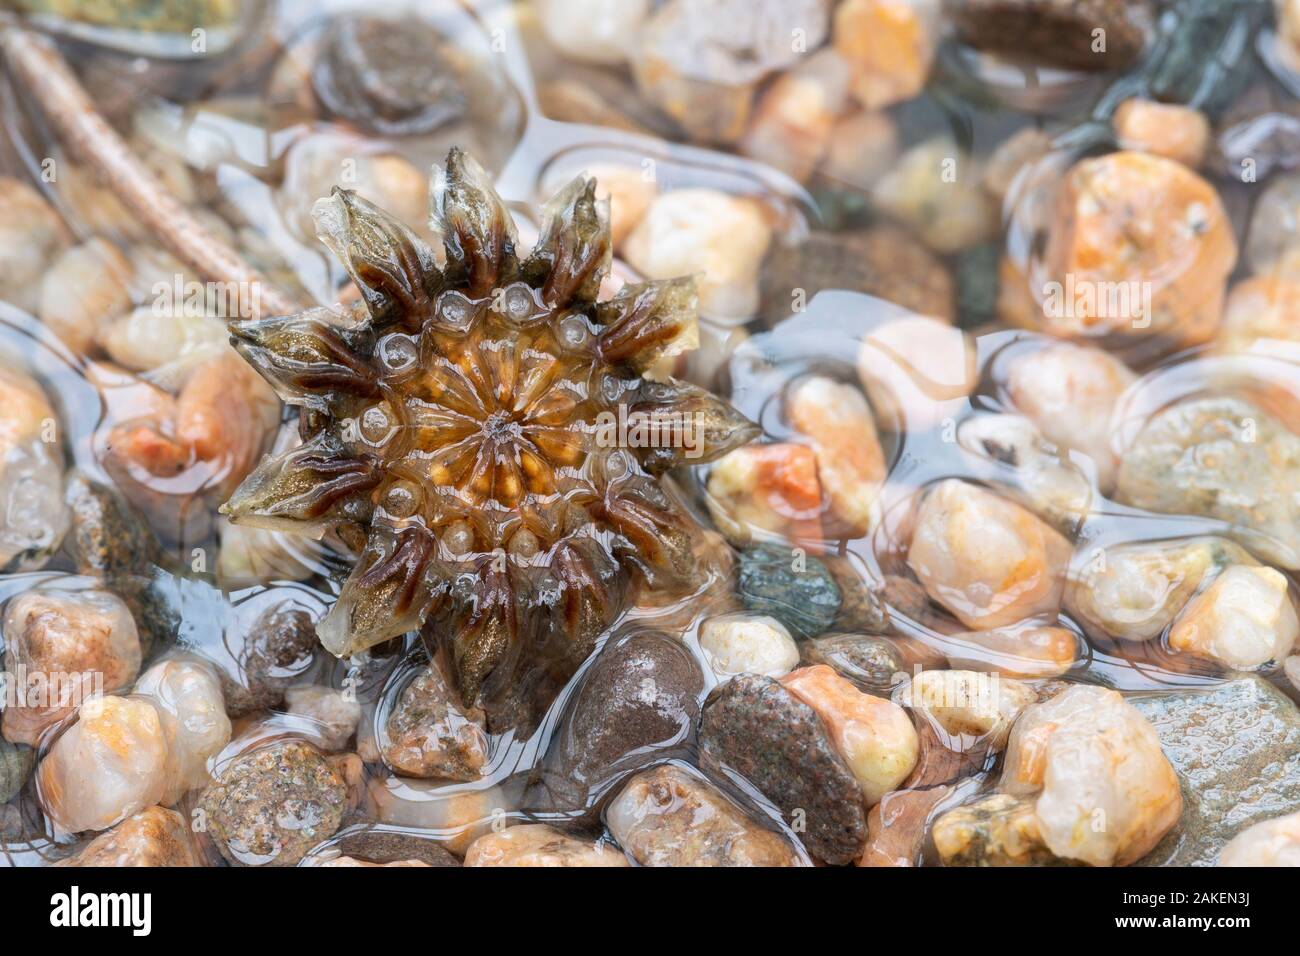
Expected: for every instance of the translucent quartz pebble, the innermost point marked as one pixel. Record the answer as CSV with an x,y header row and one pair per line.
x,y
1134,591
970,703
108,765
748,644
1070,391
1105,792
1244,619
719,237
187,696
988,561
152,837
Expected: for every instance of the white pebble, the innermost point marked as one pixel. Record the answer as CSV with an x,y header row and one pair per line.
x,y
748,644
87,286
1105,792
108,765
187,696
594,31
723,238
1270,843
1244,619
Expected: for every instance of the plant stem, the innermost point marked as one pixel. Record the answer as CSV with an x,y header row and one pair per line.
x,y
38,65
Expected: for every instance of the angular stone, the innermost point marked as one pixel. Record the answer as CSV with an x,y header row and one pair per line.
x,y
430,735
758,730
1236,748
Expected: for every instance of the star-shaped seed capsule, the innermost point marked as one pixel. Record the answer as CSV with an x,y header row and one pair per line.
x,y
487,435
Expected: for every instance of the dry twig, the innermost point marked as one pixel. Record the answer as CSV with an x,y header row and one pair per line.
x,y
38,65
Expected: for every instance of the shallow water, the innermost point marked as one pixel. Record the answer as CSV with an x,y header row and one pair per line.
x,y
236,128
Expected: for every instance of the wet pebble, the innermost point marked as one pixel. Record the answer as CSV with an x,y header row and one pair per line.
x,y
147,338
988,561
391,76
889,44
62,647
639,701
1175,132
84,289
969,706
110,764
1273,239
270,806
377,843
669,817
429,734
913,369
874,736
279,646
1245,619
1024,650
771,488
335,713
1033,470
187,696
153,837
762,732
873,664
1143,223
317,163
1221,457
718,237
934,190
851,464
884,261
592,31
793,118
700,62
796,589
1234,747
1070,391
997,830
110,539
16,761
33,518
1133,592
1261,310
1087,755
861,147
539,845
1270,843
748,644
1062,33
31,237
